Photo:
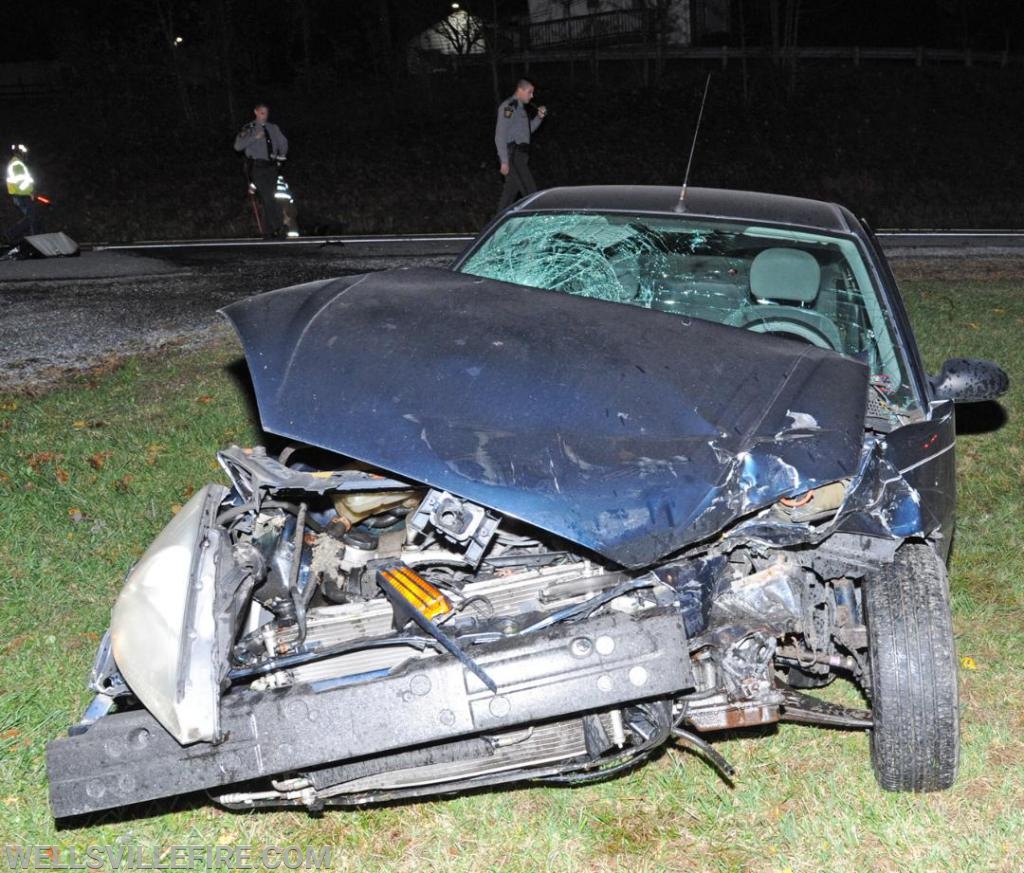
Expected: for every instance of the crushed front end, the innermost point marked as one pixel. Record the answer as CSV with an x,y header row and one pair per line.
x,y
337,636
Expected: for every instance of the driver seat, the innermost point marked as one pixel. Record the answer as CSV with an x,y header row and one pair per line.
x,y
784,282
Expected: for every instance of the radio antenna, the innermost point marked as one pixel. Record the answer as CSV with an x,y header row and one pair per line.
x,y
681,205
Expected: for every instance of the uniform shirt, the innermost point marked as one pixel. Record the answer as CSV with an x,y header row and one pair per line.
x,y
253,142
514,125
19,179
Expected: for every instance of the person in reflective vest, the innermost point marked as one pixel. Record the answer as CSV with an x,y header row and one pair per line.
x,y
22,188
289,213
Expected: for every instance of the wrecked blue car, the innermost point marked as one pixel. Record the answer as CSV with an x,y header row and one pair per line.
x,y
638,469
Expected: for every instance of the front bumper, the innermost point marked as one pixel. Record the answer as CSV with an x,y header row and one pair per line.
x,y
129,758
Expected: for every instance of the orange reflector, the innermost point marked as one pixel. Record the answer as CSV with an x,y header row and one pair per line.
x,y
427,600
799,500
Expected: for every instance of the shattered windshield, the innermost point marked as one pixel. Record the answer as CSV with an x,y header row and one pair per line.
x,y
804,286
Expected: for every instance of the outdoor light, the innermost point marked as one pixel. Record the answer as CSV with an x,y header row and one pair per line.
x,y
178,40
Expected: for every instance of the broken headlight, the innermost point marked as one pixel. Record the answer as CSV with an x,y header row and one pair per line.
x,y
162,627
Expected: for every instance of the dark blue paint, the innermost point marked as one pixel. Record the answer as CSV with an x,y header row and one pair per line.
x,y
629,432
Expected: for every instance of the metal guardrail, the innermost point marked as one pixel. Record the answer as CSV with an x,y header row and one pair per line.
x,y
963,237
894,242
356,246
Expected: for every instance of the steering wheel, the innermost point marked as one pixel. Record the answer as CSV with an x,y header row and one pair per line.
x,y
810,327
792,330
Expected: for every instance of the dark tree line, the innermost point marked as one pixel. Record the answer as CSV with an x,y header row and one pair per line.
x,y
202,61
213,54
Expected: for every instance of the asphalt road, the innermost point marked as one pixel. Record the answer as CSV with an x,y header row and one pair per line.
x,y
65,314
59,315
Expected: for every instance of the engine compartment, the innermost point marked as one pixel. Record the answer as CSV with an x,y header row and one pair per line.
x,y
321,610
355,595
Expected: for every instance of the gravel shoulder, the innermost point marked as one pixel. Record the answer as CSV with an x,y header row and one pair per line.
x,y
88,265
64,315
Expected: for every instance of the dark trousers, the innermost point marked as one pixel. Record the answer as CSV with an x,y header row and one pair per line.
x,y
29,223
265,177
519,181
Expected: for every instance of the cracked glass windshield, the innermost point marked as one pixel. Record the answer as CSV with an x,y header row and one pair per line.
x,y
808,287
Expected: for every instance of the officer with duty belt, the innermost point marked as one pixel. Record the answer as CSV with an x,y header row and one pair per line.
x,y
512,138
265,148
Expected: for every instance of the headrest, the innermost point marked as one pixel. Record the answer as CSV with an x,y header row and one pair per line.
x,y
788,275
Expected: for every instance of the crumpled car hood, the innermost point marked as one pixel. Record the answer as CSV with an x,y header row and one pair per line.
x,y
630,432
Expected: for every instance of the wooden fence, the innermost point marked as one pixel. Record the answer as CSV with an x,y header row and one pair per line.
x,y
724,55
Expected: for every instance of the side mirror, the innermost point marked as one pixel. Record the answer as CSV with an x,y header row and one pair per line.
x,y
969,380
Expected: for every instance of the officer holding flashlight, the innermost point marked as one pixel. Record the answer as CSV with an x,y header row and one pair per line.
x,y
512,139
265,147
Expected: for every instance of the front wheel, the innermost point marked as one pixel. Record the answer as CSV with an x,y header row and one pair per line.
x,y
915,741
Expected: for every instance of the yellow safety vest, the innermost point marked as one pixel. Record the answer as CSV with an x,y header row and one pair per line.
x,y
19,180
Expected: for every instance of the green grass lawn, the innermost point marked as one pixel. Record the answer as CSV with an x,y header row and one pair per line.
x,y
91,470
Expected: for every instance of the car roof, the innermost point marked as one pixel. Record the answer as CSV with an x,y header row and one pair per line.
x,y
706,202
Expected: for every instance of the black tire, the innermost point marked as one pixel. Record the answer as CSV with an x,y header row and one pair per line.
x,y
915,741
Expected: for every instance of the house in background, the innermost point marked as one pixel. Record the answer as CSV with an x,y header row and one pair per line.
x,y
457,34
573,25
564,22
677,22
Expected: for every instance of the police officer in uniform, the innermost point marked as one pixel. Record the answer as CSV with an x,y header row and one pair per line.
x,y
264,147
512,139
